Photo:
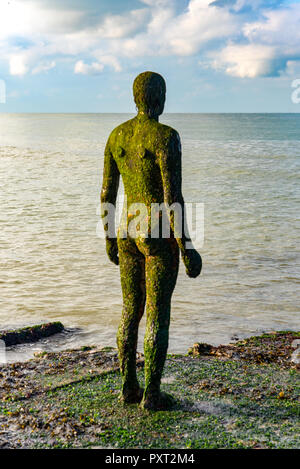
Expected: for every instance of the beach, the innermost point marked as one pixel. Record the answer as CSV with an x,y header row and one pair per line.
x,y
243,395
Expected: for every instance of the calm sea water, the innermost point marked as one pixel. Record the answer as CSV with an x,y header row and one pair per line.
x,y
243,167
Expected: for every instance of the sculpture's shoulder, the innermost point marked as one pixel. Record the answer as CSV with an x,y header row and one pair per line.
x,y
121,133
134,132
166,131
169,139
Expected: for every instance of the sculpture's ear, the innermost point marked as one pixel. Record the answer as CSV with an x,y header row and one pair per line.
x,y
120,152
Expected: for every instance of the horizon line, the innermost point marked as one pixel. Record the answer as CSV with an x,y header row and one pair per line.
x,y
133,113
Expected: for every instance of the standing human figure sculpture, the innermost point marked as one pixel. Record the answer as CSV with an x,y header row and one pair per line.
x,y
147,155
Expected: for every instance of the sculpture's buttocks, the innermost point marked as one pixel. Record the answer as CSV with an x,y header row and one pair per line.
x,y
147,155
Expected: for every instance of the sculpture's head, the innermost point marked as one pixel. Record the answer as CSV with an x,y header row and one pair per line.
x,y
149,91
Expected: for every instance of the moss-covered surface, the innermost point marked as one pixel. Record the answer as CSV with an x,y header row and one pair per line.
x,y
273,347
30,334
147,155
221,402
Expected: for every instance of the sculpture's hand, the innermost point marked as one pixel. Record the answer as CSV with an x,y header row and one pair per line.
x,y
193,262
112,250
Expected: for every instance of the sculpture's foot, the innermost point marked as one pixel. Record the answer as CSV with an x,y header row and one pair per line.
x,y
132,396
158,401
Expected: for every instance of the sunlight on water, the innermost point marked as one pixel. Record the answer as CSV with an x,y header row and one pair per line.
x,y
244,168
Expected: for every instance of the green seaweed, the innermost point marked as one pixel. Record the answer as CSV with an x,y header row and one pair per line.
x,y
220,403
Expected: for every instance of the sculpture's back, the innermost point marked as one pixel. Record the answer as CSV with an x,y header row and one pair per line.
x,y
139,145
147,155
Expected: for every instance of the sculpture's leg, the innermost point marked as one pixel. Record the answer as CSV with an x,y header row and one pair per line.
x,y
161,276
132,269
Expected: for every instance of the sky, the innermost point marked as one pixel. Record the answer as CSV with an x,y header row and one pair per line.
x,y
215,55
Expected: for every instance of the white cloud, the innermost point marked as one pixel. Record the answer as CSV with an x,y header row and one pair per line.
x,y
17,65
279,27
246,61
159,3
43,67
21,61
82,68
181,35
109,60
272,43
198,25
32,19
242,48
117,26
97,67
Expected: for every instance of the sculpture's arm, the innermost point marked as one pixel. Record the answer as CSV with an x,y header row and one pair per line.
x,y
170,166
109,191
171,171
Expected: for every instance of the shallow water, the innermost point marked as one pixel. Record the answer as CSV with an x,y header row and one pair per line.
x,y
243,167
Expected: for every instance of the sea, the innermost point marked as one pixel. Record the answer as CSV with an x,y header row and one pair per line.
x,y
242,169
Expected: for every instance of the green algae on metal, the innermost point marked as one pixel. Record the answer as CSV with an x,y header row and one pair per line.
x,y
147,155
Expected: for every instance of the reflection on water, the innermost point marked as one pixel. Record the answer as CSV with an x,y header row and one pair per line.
x,y
244,168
